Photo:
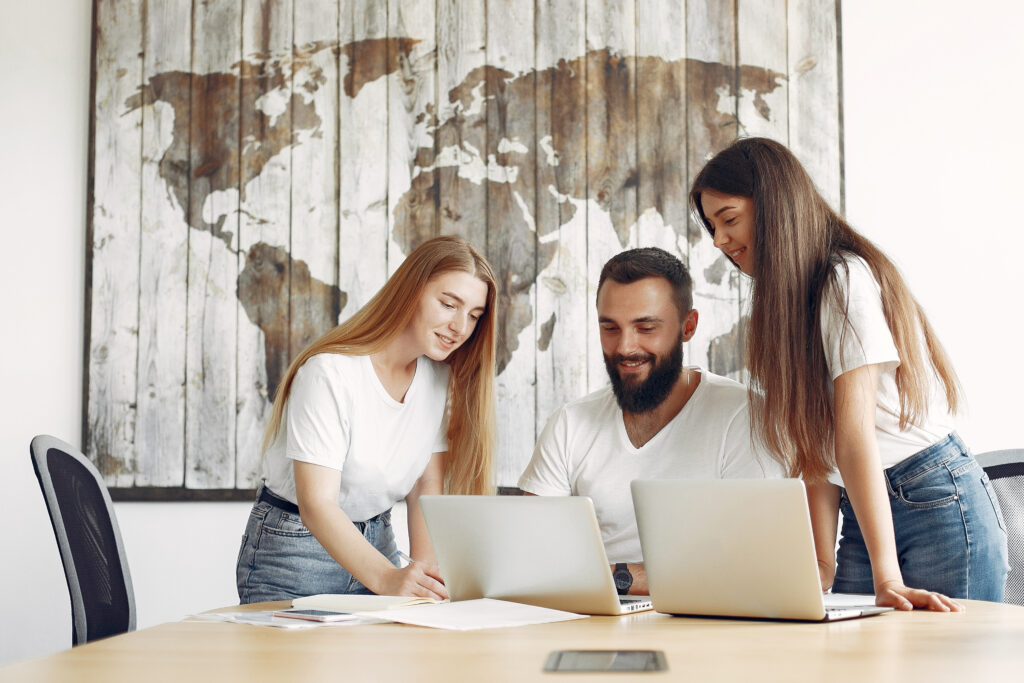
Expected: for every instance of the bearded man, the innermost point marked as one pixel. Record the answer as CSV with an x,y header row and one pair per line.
x,y
657,420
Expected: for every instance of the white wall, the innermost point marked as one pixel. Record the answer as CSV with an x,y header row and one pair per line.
x,y
933,174
44,78
181,555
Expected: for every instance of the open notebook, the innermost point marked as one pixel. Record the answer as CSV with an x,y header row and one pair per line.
x,y
735,548
336,602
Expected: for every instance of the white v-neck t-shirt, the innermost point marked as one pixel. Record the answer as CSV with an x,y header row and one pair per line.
x,y
584,451
340,416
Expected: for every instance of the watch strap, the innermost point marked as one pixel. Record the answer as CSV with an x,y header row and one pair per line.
x,y
623,578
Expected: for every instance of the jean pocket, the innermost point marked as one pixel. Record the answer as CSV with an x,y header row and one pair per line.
x,y
930,489
287,524
994,500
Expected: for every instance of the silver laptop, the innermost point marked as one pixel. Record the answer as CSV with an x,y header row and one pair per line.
x,y
735,548
539,550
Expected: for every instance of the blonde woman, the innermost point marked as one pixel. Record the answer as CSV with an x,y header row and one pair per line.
x,y
851,390
394,403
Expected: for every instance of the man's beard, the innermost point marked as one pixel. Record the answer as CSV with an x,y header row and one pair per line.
x,y
647,395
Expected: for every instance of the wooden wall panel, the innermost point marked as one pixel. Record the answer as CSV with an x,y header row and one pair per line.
x,y
462,104
711,125
414,32
762,41
266,176
510,226
259,167
661,125
561,215
160,422
315,300
363,134
109,438
214,170
611,150
815,122
762,110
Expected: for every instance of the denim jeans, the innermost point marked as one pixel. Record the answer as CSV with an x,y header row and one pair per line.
x,y
950,534
280,559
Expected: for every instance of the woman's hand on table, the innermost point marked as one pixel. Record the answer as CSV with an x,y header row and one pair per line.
x,y
895,594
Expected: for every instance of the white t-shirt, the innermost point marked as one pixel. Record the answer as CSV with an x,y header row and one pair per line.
x,y
866,340
339,415
585,451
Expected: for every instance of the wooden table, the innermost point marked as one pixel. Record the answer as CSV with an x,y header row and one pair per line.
x,y
984,644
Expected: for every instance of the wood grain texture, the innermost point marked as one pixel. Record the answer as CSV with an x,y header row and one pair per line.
x,y
814,100
316,83
611,150
260,167
363,134
210,364
511,230
265,176
561,218
762,41
462,104
412,152
983,643
711,84
412,102
160,426
315,298
762,110
661,125
114,247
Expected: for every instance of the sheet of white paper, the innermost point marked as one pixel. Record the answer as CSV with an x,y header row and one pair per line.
x,y
473,614
843,600
267,618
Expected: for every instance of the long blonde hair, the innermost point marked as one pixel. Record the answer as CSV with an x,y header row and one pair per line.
x,y
799,242
469,465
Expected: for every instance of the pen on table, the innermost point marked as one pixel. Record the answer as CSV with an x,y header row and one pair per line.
x,y
405,557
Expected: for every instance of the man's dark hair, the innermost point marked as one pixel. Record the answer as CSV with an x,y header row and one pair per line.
x,y
636,264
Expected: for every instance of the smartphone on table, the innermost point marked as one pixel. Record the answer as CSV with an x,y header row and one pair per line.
x,y
315,615
606,660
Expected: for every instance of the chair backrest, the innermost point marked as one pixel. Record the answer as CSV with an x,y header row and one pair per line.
x,y
89,540
1006,470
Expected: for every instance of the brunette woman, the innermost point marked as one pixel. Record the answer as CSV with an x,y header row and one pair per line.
x,y
851,390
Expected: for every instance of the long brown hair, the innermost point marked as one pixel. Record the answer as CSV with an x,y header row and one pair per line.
x,y
469,465
799,242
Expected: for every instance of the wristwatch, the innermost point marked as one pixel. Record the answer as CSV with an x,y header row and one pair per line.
x,y
623,579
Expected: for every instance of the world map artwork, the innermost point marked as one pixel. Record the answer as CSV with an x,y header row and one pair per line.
x,y
279,111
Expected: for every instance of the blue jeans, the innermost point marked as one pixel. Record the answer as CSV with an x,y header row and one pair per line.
x,y
950,534
280,559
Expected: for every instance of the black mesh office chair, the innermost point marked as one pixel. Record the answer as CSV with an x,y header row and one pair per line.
x,y
1006,470
102,598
